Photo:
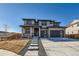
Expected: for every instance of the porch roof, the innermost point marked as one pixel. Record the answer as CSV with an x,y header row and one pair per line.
x,y
58,27
29,26
26,25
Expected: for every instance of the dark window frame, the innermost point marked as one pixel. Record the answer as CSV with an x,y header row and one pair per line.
x,y
77,24
44,23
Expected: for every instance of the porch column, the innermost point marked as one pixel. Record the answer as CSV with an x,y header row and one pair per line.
x,y
23,31
39,32
61,33
31,31
49,33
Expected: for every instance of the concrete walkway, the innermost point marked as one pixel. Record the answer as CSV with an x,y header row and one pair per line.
x,y
33,48
52,48
7,53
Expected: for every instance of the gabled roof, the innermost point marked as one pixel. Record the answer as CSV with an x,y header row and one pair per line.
x,y
74,21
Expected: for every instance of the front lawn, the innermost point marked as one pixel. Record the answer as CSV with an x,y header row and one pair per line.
x,y
13,45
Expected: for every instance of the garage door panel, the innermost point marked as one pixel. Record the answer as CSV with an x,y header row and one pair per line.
x,y
55,33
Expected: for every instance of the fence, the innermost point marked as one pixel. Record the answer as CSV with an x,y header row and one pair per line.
x,y
11,36
72,36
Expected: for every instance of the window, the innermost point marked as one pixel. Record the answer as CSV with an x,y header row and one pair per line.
x,y
27,30
56,25
72,32
51,22
78,25
28,22
67,32
44,23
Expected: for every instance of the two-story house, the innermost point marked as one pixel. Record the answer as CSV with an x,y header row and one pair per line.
x,y
72,29
42,28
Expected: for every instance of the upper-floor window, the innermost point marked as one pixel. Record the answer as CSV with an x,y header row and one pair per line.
x,y
67,32
28,22
77,24
51,23
56,25
72,32
44,23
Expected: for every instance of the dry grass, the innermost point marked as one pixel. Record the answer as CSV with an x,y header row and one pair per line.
x,y
13,45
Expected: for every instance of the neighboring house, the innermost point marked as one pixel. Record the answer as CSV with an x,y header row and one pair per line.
x,y
72,30
42,28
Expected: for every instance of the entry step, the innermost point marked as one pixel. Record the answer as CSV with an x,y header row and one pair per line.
x,y
31,53
33,44
33,48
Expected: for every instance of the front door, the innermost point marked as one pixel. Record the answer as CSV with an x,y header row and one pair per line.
x,y
36,31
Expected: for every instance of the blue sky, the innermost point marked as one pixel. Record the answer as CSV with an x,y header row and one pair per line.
x,y
12,14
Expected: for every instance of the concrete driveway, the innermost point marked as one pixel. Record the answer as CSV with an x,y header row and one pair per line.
x,y
61,47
